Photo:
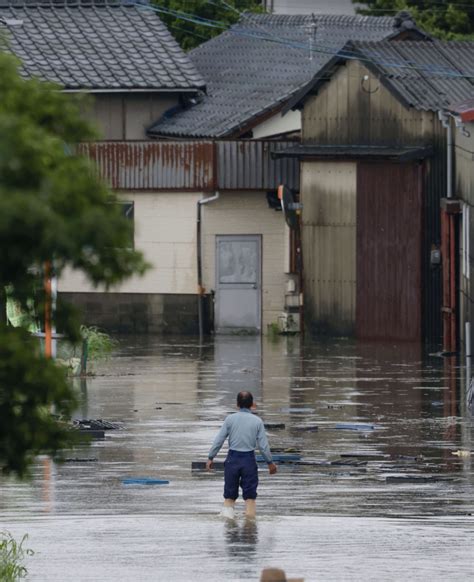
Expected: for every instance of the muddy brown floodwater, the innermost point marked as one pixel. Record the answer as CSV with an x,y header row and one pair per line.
x,y
382,496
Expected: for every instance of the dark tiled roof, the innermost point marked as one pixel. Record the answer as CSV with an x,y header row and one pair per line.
x,y
99,45
256,66
425,75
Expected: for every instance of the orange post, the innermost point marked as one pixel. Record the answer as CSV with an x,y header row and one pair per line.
x,y
48,336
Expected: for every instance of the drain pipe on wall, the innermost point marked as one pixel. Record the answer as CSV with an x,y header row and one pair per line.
x,y
449,210
200,288
446,123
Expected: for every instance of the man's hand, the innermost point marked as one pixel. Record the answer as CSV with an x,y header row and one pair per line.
x,y
272,468
209,465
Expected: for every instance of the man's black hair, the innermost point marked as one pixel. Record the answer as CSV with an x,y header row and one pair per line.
x,y
244,399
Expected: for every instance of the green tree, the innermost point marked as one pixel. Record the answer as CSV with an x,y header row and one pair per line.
x,y
52,207
190,34
440,18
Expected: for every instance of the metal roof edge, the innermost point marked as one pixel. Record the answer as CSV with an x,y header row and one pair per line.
x,y
324,151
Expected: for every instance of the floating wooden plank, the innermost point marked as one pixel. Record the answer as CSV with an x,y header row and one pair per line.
x,y
366,456
305,428
298,410
274,425
201,466
283,458
76,460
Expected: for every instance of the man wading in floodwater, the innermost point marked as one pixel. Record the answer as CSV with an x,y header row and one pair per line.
x,y
245,431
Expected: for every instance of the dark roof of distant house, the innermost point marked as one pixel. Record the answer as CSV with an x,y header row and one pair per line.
x,y
96,45
425,75
252,69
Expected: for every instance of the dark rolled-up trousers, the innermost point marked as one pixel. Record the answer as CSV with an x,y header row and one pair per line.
x,y
240,469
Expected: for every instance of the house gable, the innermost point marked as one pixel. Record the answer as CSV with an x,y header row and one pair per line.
x,y
355,107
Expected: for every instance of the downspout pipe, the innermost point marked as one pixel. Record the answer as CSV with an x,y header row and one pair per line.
x,y
444,117
200,288
449,258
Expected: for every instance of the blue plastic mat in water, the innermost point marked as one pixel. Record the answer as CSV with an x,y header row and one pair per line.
x,y
144,481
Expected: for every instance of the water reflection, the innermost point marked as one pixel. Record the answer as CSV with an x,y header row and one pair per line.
x,y
241,538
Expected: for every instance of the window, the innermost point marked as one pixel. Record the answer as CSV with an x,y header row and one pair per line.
x,y
127,209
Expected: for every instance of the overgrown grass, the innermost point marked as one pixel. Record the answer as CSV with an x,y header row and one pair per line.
x,y
99,344
12,555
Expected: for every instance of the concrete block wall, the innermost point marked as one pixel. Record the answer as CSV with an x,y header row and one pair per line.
x,y
138,313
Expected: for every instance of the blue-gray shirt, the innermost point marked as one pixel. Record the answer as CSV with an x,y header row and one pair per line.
x,y
245,431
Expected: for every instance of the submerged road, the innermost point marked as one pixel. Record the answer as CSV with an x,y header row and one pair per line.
x,y
382,495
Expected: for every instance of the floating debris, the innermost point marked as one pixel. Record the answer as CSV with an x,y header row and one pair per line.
x,y
298,410
366,456
280,458
415,478
274,425
201,466
97,424
144,481
76,460
343,426
306,428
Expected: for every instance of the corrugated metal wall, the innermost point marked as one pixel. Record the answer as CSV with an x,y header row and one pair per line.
x,y
153,165
197,165
328,194
248,165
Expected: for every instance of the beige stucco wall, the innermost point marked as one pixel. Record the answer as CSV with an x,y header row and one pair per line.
x,y
119,116
248,213
165,231
278,124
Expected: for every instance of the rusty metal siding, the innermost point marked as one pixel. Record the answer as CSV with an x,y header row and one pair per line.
x,y
248,165
389,251
194,165
153,165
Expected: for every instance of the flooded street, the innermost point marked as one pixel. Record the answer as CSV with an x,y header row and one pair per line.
x,y
381,496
